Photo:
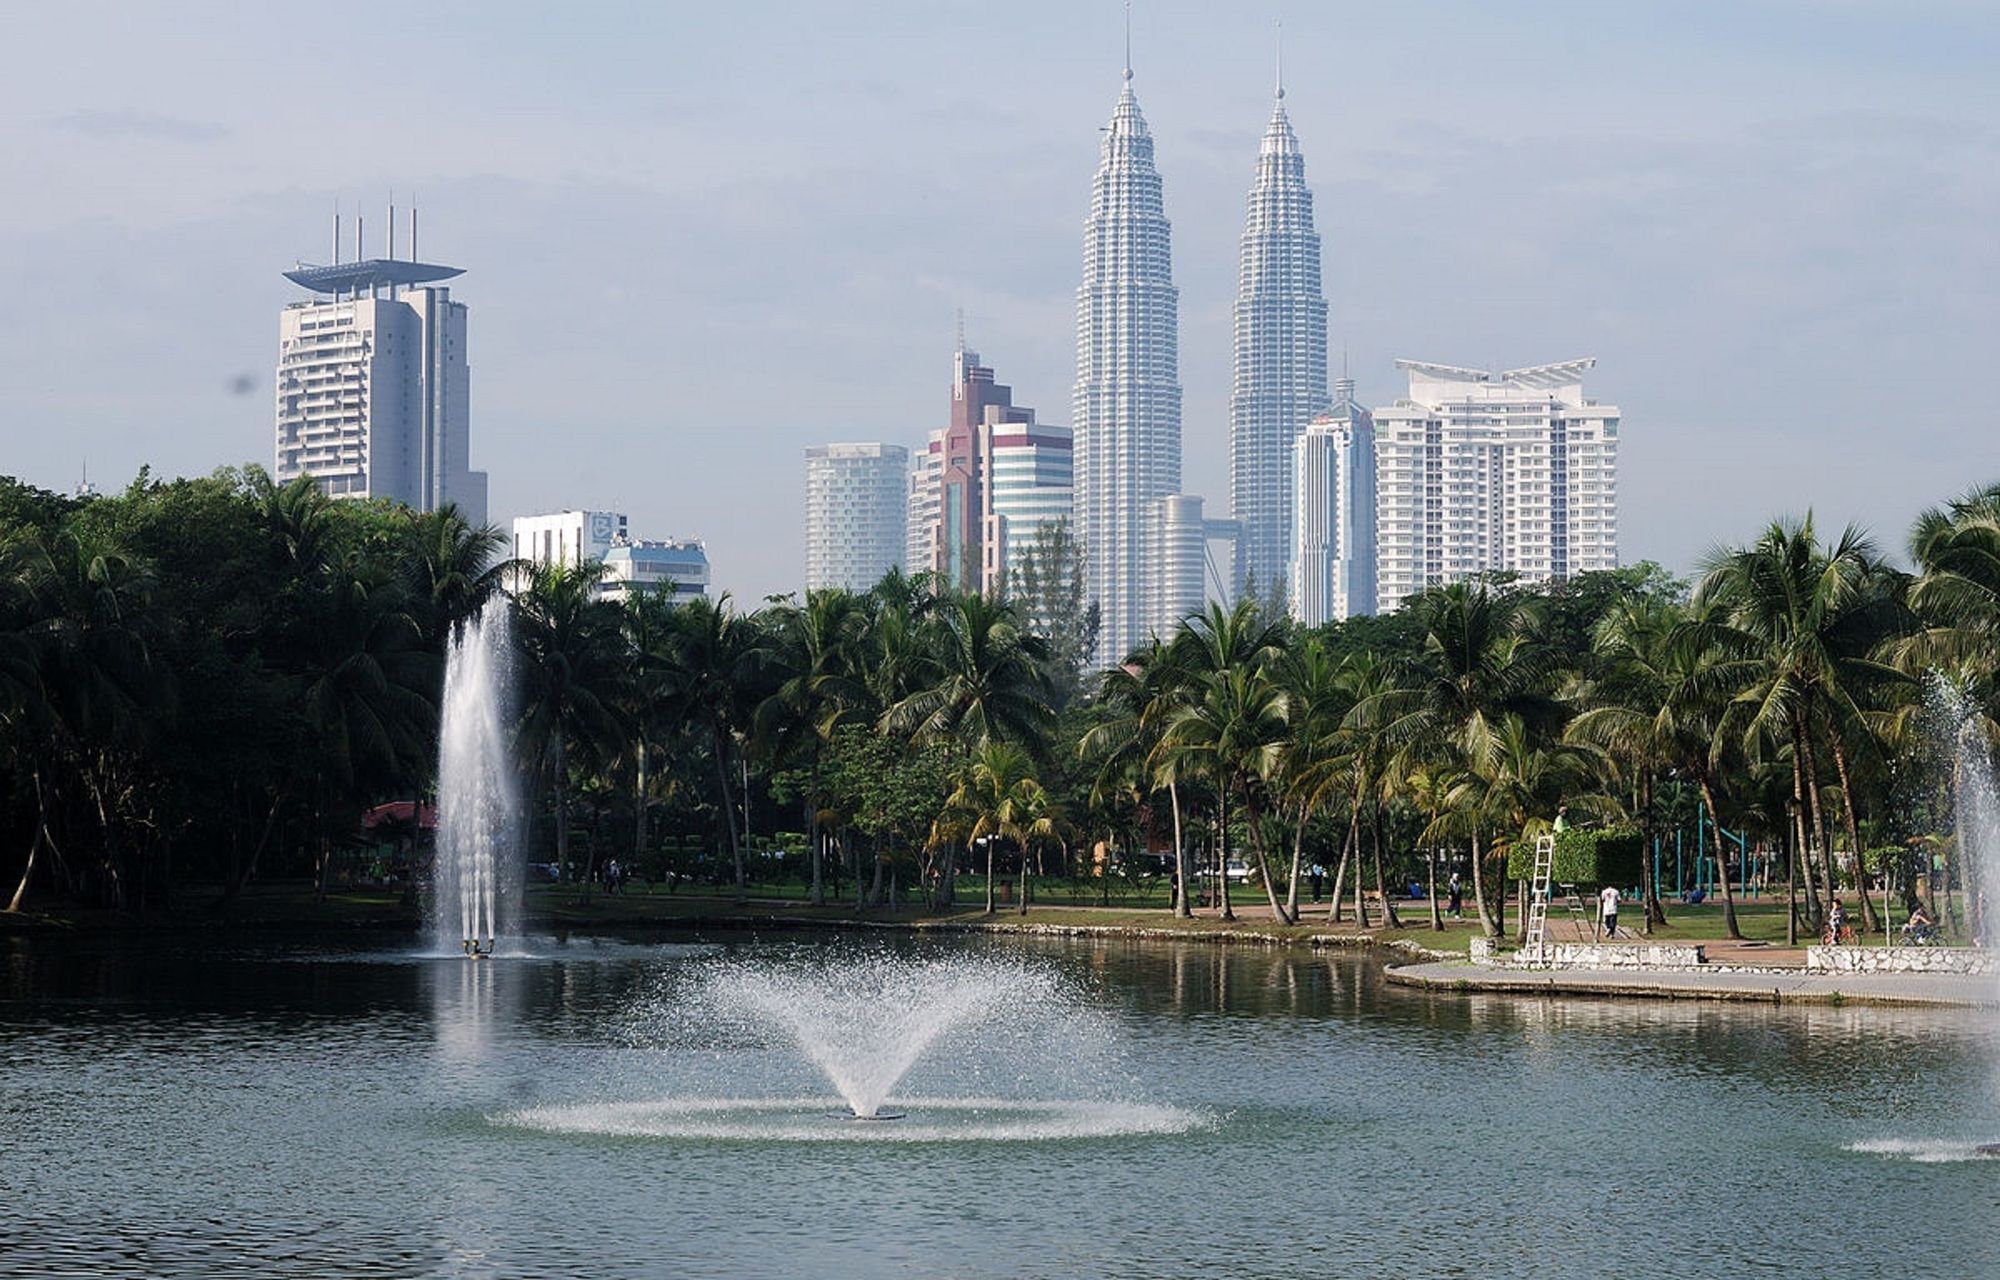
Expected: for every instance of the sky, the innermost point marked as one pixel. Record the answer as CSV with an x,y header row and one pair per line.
x,y
698,238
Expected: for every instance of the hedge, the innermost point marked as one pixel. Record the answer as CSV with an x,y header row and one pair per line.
x,y
1615,856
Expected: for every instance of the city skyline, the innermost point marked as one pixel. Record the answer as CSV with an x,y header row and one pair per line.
x,y
663,261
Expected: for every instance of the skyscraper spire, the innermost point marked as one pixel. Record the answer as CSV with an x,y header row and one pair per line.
x,y
1281,60
1128,41
1127,404
1280,379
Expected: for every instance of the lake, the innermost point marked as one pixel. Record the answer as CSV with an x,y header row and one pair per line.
x,y
601,1106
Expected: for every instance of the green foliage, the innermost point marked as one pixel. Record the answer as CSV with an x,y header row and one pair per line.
x,y
1585,856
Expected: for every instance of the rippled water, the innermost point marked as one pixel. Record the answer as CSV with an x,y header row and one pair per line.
x,y
351,1110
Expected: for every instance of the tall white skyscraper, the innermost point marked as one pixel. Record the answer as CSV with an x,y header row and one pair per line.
x,y
857,500
1280,341
373,384
1333,514
1479,472
1127,405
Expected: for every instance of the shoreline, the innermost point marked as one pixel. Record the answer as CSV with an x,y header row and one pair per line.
x,y
1774,987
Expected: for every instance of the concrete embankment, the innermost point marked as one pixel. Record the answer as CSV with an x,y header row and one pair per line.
x,y
1792,986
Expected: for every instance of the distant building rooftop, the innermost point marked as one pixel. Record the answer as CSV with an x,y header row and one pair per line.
x,y
356,277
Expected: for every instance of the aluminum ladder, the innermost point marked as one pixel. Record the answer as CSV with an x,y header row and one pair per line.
x,y
1534,947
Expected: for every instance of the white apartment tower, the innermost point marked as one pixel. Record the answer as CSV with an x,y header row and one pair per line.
x,y
677,567
1480,472
1126,408
373,383
857,498
1280,348
1333,514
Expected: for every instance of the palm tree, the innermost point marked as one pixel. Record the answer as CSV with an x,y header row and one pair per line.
x,y
998,798
453,567
1233,732
1134,703
719,661
819,658
574,680
1483,659
983,679
1814,614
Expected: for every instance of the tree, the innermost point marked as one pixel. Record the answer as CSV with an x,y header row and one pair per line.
x,y
998,798
719,662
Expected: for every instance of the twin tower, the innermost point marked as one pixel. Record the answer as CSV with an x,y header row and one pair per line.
x,y
1131,515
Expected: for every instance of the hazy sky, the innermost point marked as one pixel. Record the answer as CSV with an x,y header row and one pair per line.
x,y
698,238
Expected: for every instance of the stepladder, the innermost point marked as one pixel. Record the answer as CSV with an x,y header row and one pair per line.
x,y
1534,948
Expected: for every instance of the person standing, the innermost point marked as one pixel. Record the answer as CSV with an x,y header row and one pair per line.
x,y
1457,900
1607,909
1318,880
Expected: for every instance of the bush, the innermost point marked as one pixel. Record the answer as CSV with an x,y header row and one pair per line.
x,y
1614,856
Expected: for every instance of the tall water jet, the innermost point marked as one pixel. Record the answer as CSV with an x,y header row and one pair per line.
x,y
1976,794
477,879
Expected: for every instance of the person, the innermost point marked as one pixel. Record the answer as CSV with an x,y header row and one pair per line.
x,y
1919,930
1607,909
1318,879
1457,901
1562,819
1836,923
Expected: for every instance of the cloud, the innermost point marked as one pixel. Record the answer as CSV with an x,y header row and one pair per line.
x,y
143,125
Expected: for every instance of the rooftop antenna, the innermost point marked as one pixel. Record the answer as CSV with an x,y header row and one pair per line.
x,y
413,227
389,241
1128,41
336,232
360,252
961,330
1281,59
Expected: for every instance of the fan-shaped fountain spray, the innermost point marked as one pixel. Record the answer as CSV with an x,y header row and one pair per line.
x,y
477,880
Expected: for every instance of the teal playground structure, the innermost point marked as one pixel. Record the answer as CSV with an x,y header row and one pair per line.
x,y
1694,860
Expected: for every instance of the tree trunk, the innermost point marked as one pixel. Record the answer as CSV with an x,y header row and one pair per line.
x,y
1340,870
1830,878
1656,912
1264,864
721,740
989,875
1024,880
817,894
1869,922
1792,881
249,870
1184,908
1491,927
1298,854
1360,898
1389,915
1801,847
1431,885
1222,853
27,872
1721,858
875,881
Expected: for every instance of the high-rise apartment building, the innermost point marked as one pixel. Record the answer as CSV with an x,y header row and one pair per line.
x,y
1333,514
1127,405
1179,556
1480,472
1280,348
857,504
373,384
984,485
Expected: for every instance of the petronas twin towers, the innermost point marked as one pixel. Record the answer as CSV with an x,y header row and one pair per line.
x,y
1127,404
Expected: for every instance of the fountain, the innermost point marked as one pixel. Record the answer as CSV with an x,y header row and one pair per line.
x,y
1009,1051
477,877
1976,792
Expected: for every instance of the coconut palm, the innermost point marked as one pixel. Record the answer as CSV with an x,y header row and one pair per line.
x,y
1135,700
1814,613
574,685
720,662
998,798
820,663
1483,660
981,678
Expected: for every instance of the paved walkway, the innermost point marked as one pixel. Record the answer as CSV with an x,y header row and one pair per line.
x,y
1681,984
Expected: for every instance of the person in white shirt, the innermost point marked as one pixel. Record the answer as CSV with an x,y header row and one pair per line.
x,y
1607,909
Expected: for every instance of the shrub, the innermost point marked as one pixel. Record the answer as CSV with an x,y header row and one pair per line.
x,y
1613,856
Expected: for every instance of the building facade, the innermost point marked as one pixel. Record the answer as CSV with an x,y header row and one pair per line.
x,y
1333,514
677,566
1180,556
1126,408
983,486
857,511
1480,472
373,386
1280,374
